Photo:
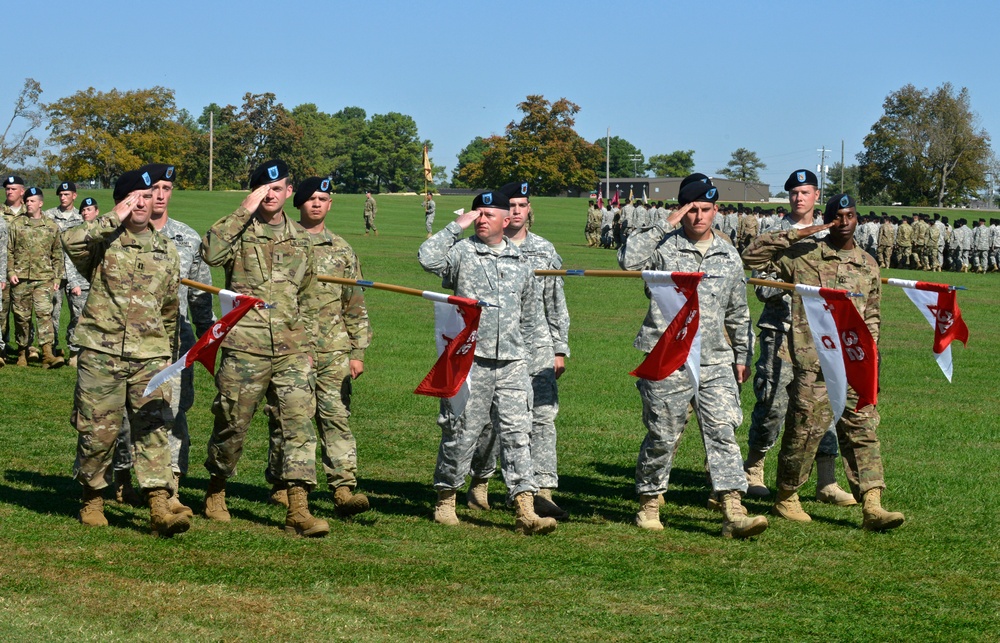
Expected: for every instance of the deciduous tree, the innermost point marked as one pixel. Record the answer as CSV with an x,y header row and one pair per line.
x,y
17,143
677,163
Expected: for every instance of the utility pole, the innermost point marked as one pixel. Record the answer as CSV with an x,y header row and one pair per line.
x,y
635,163
822,170
607,166
843,169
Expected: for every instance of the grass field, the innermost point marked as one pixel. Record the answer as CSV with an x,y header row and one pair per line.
x,y
392,574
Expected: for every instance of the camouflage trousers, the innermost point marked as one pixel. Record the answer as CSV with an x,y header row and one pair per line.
x,y
177,435
665,413
429,223
544,409
884,256
76,304
980,261
107,388
808,413
498,395
287,383
333,408
772,375
370,223
4,316
34,296
904,257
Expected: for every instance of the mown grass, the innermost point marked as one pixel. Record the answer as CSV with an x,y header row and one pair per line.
x,y
392,574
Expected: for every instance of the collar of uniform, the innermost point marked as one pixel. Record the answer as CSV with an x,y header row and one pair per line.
x,y
324,238
685,244
289,228
509,251
855,255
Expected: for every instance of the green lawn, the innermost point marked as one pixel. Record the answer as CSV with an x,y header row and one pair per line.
x,y
392,574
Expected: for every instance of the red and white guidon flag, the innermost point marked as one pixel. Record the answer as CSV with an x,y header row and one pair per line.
x,y
939,306
676,294
847,352
456,327
234,307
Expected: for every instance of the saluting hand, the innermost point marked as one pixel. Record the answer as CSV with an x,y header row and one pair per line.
x,y
675,217
254,199
813,229
467,218
123,209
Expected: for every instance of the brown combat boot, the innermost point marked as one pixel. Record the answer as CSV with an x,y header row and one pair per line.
x,y
875,517
163,522
827,489
2,362
22,357
789,507
49,360
299,521
545,508
33,354
349,504
215,500
174,503
444,508
736,523
92,511
279,495
527,522
125,493
477,498
753,466
649,513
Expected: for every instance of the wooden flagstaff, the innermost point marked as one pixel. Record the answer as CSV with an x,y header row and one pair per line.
x,y
426,294
197,285
637,273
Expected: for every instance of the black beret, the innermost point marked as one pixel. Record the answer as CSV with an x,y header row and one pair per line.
x,y
13,179
159,172
699,188
492,199
309,187
516,190
801,177
691,178
66,186
32,192
838,202
131,181
269,172
89,201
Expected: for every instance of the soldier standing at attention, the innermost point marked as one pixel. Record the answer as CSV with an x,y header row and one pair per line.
x,y
725,342
268,354
886,239
35,270
370,210
429,209
65,216
127,333
904,244
77,286
488,267
13,206
831,262
343,335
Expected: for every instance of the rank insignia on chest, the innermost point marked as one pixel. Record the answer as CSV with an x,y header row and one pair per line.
x,y
138,265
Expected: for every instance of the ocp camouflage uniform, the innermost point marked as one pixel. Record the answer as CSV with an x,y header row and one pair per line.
x,y
127,333
9,215
266,355
886,239
919,244
65,220
343,334
593,228
725,340
931,249
815,262
749,227
498,379
370,210
904,246
540,255
35,256
4,285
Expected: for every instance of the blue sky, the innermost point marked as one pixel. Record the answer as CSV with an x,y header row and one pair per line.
x,y
780,78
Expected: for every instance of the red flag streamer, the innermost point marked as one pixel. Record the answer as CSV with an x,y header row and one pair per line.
x,y
452,367
938,303
681,336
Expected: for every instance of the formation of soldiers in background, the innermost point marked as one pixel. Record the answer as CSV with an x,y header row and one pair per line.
x,y
927,242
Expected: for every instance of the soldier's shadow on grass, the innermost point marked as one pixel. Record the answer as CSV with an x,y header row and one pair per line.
x,y
400,498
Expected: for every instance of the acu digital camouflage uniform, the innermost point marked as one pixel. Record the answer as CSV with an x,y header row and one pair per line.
x,y
343,334
430,208
815,262
35,256
127,333
498,382
371,209
725,340
266,355
540,255
65,220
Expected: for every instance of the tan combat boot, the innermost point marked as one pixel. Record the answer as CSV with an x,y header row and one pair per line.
x,y
713,503
545,508
92,511
22,357
736,523
827,489
875,517
789,507
174,504
444,508
649,513
163,522
477,498
527,522
73,359
125,493
279,495
299,521
348,503
33,354
753,466
49,360
2,362
215,500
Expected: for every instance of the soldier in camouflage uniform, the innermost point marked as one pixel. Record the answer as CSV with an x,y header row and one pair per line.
x,y
268,354
592,230
488,267
904,244
980,246
371,209
831,262
886,238
430,208
919,250
77,286
342,337
35,269
13,186
127,333
547,363
724,327
65,215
